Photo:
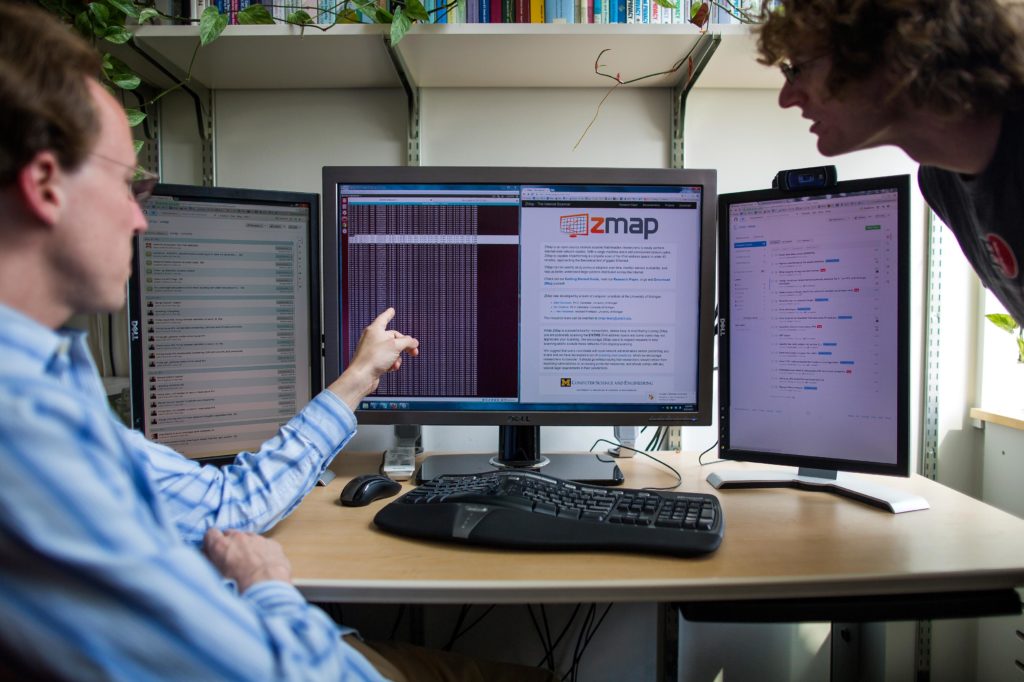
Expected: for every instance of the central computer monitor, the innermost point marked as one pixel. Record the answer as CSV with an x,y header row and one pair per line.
x,y
814,341
540,296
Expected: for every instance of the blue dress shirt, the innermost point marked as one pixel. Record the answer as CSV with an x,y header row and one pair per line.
x,y
100,573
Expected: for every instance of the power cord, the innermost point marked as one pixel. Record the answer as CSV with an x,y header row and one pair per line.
x,y
458,631
398,621
700,457
589,627
679,477
587,633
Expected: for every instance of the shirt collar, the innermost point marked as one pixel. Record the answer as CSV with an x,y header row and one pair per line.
x,y
30,346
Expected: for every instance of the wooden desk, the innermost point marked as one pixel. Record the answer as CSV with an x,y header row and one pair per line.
x,y
779,543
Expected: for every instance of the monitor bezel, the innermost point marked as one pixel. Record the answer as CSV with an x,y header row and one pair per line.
x,y
901,467
340,175
227,194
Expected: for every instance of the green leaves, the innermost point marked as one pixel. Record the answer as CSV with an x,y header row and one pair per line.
x,y
255,14
400,25
124,6
403,18
1008,324
1003,321
117,35
211,25
666,4
135,117
119,74
299,17
416,10
348,16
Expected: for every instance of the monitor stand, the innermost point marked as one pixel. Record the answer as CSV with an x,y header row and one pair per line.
x,y
519,448
826,480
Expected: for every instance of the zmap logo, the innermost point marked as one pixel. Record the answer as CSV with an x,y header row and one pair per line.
x,y
582,224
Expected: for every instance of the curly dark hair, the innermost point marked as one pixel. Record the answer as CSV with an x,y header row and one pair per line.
x,y
954,57
45,101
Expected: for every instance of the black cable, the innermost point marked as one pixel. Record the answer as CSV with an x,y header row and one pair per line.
x,y
383,456
547,630
474,623
593,631
548,654
700,457
588,634
398,621
463,612
679,477
577,650
565,628
654,439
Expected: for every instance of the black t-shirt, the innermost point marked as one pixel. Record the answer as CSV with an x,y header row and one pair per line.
x,y
986,213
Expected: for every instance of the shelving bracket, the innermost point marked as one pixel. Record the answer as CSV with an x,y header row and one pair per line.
x,y
202,100
412,95
698,58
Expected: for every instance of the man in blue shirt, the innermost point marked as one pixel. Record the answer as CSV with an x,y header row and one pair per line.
x,y
100,529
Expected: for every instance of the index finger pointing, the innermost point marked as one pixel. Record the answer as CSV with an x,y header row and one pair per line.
x,y
383,319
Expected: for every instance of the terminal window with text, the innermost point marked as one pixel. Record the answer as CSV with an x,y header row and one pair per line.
x,y
539,296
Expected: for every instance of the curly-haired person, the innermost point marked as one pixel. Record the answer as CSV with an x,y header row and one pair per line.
x,y
943,80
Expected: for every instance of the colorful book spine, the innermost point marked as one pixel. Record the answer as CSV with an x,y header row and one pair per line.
x,y
560,11
522,11
496,12
536,11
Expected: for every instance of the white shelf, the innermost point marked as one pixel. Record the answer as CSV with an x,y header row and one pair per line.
x,y
455,56
734,64
277,56
542,55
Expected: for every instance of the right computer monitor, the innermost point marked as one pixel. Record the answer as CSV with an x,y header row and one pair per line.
x,y
814,337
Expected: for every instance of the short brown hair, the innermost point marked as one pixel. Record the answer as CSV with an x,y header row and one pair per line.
x,y
45,101
952,56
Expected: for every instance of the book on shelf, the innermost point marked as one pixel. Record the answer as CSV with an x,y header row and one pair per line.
x,y
536,11
560,11
521,11
324,12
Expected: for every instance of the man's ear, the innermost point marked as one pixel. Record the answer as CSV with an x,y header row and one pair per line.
x,y
41,187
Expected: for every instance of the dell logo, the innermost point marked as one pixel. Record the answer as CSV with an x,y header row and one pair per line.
x,y
135,330
517,419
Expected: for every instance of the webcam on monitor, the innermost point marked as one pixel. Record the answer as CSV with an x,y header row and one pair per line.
x,y
805,178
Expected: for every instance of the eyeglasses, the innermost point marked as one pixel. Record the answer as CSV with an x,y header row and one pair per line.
x,y
142,183
792,71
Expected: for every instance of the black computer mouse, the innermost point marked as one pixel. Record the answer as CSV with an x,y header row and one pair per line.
x,y
366,488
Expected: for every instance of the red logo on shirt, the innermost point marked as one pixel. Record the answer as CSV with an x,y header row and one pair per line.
x,y
1002,256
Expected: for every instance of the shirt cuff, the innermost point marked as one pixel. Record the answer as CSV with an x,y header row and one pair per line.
x,y
270,595
327,422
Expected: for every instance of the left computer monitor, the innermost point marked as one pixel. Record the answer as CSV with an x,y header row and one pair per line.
x,y
224,316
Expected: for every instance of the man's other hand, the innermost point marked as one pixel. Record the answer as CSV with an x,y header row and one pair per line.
x,y
379,350
246,558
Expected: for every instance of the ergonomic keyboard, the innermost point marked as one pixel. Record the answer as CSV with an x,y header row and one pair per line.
x,y
529,510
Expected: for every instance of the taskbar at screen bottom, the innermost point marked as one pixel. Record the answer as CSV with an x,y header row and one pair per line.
x,y
400,405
